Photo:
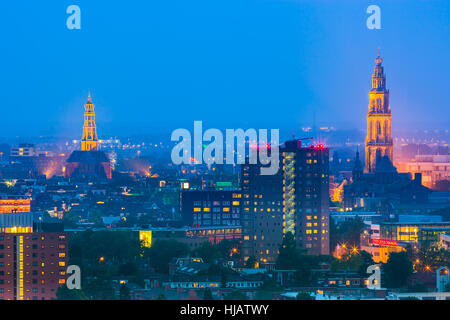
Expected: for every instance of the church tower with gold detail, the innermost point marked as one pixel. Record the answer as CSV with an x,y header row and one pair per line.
x,y
89,162
378,140
89,140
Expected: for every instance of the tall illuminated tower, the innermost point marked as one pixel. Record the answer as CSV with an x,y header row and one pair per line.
x,y
378,139
89,141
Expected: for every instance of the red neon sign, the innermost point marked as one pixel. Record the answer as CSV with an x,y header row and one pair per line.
x,y
383,242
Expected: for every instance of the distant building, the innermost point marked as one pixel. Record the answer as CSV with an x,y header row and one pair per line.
x,y
89,162
10,204
368,217
24,150
433,168
445,241
210,208
34,162
33,257
414,233
369,191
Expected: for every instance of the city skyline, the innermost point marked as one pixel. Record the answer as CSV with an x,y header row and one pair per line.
x,y
301,61
225,150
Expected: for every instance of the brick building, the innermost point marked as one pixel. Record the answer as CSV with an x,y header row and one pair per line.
x,y
33,257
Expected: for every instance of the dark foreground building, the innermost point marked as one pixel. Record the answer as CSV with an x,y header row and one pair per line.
x,y
33,257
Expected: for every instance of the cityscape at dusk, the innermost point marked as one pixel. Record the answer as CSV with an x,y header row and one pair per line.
x,y
215,151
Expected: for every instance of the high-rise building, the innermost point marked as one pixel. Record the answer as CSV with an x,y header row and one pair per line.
x,y
262,213
378,140
89,141
33,257
295,200
306,195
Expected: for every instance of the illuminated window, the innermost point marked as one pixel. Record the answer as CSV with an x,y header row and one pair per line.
x,y
197,209
62,263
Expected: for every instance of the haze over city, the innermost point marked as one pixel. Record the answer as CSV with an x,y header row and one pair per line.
x,y
152,67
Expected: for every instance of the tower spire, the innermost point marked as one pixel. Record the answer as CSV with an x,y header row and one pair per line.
x,y
89,140
378,140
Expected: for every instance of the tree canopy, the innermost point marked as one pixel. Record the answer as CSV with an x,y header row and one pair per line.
x,y
397,270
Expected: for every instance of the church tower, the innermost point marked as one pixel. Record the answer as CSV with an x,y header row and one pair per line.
x,y
89,141
378,139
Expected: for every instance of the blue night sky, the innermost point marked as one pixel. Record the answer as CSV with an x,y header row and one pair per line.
x,y
154,66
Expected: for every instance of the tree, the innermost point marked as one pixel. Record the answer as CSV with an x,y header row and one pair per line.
x,y
99,289
447,287
206,251
289,255
128,269
235,295
124,292
161,296
303,295
397,270
267,289
349,232
64,293
430,258
163,251
251,262
224,249
291,258
333,235
207,294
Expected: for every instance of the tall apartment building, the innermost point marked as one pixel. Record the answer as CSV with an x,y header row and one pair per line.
x,y
33,257
306,195
262,213
295,200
